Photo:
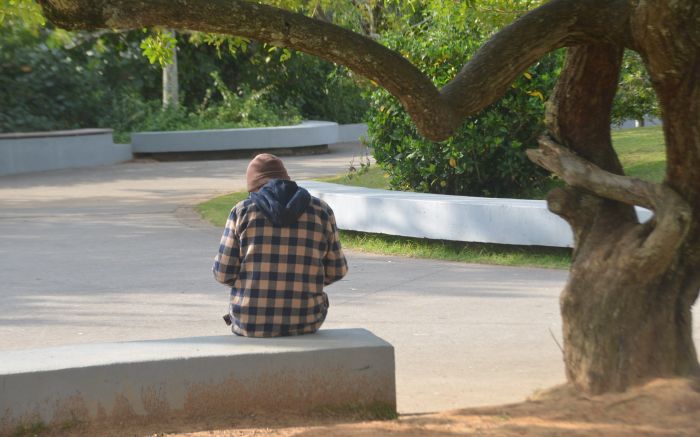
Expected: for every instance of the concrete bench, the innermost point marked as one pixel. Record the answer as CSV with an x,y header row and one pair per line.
x,y
195,379
41,151
307,136
443,217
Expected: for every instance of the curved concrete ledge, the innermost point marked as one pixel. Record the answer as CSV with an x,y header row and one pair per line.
x,y
308,133
351,132
442,217
195,379
54,133
40,151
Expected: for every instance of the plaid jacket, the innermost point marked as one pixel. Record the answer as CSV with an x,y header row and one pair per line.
x,y
277,272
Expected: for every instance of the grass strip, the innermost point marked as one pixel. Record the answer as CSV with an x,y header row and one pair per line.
x,y
477,253
641,152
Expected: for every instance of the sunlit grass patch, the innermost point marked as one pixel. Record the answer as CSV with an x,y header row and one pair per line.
x,y
375,177
216,210
642,152
479,253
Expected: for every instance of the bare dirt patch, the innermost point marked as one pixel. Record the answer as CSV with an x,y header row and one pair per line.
x,y
668,407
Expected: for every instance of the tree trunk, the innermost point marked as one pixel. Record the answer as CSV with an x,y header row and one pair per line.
x,y
171,87
626,307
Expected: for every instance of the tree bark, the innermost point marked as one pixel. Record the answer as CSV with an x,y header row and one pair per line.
x,y
626,316
171,87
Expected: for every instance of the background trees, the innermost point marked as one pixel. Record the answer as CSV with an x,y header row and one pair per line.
x,y
53,79
635,98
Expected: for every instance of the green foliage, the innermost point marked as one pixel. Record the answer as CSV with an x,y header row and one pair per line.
x,y
43,87
53,79
373,177
247,107
26,12
236,109
158,47
486,155
635,98
319,89
233,44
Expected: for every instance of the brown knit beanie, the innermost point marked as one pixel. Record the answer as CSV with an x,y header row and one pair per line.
x,y
263,168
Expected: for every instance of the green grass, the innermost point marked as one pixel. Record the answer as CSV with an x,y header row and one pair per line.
x,y
375,177
217,209
641,152
478,253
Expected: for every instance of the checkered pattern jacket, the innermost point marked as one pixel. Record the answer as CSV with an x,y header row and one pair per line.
x,y
277,272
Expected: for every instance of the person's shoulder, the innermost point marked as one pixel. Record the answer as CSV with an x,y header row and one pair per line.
x,y
319,203
242,207
320,206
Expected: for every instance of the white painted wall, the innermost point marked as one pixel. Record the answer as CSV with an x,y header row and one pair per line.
x,y
41,151
308,133
442,217
351,132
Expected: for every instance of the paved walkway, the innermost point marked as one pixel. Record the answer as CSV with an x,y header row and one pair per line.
x,y
116,253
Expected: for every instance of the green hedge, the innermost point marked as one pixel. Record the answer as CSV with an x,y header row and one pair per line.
x,y
486,156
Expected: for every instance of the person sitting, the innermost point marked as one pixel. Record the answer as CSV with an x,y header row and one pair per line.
x,y
280,247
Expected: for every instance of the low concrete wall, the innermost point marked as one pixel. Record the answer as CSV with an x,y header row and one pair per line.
x,y
442,217
196,379
308,133
351,132
40,151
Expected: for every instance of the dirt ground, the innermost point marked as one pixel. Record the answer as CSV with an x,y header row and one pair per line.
x,y
661,408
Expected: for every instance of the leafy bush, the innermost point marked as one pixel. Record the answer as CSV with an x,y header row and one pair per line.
x,y
485,157
52,79
41,87
245,109
319,89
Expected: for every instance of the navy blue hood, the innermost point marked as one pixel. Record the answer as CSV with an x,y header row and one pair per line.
x,y
281,201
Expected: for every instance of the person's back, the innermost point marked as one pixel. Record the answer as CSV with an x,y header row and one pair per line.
x,y
279,248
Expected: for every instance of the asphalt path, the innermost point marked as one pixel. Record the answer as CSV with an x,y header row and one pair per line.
x,y
117,253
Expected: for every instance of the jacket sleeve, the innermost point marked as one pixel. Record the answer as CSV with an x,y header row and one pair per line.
x,y
227,262
334,263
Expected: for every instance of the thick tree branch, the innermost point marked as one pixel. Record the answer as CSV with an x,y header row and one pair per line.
x,y
580,173
672,212
559,23
578,115
436,113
